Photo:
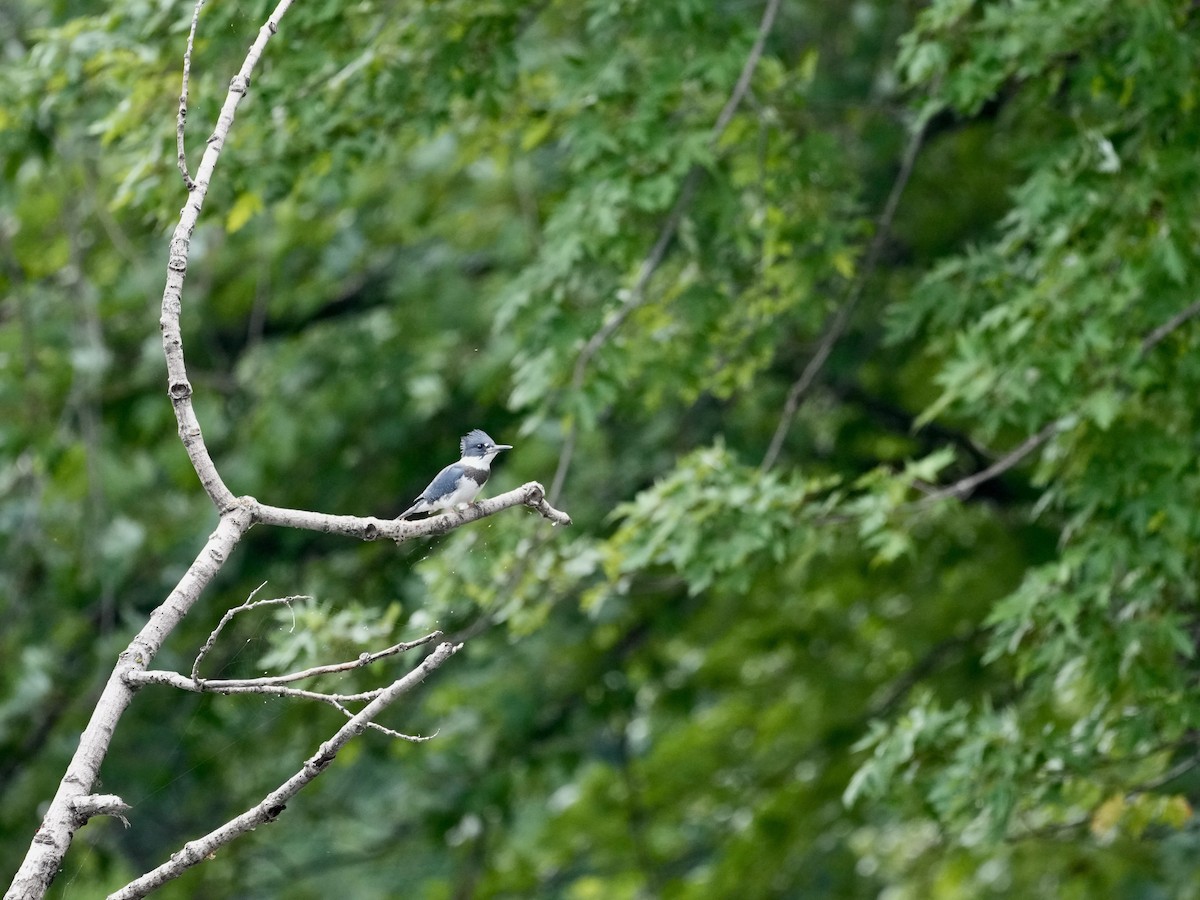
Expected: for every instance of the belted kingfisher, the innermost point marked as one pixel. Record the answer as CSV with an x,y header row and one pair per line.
x,y
459,483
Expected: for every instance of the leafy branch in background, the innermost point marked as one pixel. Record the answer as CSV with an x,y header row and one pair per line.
x,y
74,803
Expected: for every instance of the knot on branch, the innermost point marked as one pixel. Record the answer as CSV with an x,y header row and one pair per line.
x,y
535,498
100,805
179,390
177,262
239,84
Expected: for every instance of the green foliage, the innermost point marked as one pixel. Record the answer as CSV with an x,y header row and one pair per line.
x,y
810,680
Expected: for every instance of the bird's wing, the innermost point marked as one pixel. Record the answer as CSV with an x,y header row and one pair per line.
x,y
445,482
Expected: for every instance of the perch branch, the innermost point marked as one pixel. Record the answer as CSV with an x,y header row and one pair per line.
x,y
368,528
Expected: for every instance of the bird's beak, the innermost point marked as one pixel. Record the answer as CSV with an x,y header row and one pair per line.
x,y
502,447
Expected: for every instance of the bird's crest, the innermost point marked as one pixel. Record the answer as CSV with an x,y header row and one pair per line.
x,y
471,438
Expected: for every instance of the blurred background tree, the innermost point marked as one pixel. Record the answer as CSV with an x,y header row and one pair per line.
x,y
807,678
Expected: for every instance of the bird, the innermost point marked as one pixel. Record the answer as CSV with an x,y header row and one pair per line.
x,y
459,483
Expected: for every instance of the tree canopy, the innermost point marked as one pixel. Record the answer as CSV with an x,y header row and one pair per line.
x,y
859,341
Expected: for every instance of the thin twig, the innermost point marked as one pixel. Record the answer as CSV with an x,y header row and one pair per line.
x,y
274,803
181,121
636,296
241,686
250,603
231,686
390,732
364,659
841,318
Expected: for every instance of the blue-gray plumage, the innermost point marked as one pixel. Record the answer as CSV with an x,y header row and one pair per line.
x,y
458,484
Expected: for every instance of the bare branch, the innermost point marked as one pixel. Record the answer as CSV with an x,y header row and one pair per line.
x,y
269,808
66,811
57,830
364,659
636,295
178,387
265,686
253,685
61,821
841,318
181,121
241,686
530,494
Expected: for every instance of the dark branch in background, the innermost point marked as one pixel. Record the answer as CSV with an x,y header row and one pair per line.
x,y
181,121
965,486
637,294
841,318
1156,337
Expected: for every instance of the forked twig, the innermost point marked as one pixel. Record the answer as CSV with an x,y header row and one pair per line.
x,y
250,603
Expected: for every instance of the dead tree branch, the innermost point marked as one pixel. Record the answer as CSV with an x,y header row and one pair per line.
x,y
73,801
274,803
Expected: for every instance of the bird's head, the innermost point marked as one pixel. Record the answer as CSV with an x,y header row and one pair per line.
x,y
478,445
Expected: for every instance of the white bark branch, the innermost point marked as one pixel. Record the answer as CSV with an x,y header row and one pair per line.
x,y
181,118
274,803
71,806
178,387
250,686
369,528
